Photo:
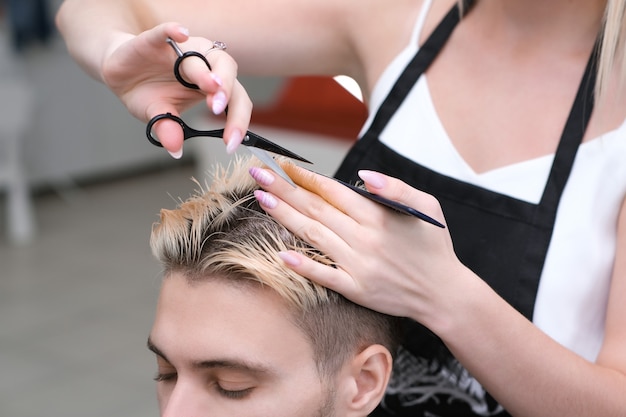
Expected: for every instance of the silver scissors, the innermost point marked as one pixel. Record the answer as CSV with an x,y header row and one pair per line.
x,y
256,144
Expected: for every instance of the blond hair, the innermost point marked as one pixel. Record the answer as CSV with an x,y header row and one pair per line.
x,y
222,233
221,230
612,57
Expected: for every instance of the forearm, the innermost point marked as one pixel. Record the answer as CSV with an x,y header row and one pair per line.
x,y
262,41
91,28
525,370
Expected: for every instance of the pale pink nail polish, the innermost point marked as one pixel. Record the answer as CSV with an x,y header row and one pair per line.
x,y
177,154
219,102
266,199
289,258
261,176
217,79
372,178
234,141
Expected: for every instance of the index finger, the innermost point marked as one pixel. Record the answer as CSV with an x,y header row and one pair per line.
x,y
335,193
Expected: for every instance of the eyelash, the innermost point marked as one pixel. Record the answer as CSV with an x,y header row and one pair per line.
x,y
165,377
233,395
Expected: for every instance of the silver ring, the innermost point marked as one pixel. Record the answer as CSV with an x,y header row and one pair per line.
x,y
216,45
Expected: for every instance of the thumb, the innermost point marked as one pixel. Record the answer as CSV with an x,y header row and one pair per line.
x,y
170,135
168,132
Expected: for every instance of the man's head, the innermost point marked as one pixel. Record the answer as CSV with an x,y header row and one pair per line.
x,y
239,334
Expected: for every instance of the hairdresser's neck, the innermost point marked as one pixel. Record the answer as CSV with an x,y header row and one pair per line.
x,y
567,21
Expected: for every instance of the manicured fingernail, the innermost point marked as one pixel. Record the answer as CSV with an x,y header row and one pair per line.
x,y
266,199
234,141
217,79
176,154
289,258
219,102
183,30
373,179
261,176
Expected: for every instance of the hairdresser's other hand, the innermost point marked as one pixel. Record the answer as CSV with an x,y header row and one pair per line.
x,y
140,71
390,262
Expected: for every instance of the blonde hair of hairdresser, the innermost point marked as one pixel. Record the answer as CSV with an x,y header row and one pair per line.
x,y
612,54
221,233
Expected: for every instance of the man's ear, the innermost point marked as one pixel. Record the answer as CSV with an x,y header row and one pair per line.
x,y
368,377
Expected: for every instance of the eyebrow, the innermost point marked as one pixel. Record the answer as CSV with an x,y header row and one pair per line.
x,y
152,347
231,364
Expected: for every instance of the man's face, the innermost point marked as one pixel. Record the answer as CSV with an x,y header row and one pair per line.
x,y
232,351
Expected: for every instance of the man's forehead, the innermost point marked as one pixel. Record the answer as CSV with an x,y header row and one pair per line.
x,y
205,321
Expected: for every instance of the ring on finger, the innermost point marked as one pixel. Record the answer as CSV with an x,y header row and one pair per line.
x,y
217,46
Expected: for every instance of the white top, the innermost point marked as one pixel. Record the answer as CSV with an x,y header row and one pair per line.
x,y
574,286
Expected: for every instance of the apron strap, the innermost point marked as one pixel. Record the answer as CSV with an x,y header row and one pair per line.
x,y
571,138
416,67
546,211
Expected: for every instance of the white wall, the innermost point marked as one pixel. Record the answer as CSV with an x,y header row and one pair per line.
x,y
78,128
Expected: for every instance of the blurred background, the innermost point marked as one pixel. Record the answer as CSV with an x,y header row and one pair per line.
x,y
80,187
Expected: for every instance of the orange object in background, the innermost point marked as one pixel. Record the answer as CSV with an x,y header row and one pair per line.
x,y
314,104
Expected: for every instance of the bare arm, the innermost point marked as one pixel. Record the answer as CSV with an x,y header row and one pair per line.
x,y
122,43
271,37
530,373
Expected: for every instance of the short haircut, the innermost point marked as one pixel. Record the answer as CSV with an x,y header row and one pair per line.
x,y
221,232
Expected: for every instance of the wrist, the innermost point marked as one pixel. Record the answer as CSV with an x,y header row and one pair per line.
x,y
456,305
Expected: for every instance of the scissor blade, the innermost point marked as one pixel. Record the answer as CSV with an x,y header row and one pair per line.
x,y
253,140
271,163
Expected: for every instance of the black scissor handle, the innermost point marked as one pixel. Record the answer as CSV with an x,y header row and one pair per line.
x,y
179,62
181,57
188,132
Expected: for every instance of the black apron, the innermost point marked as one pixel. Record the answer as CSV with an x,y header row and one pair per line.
x,y
502,239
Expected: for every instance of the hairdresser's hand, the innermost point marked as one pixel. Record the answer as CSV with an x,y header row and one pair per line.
x,y
140,71
390,262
